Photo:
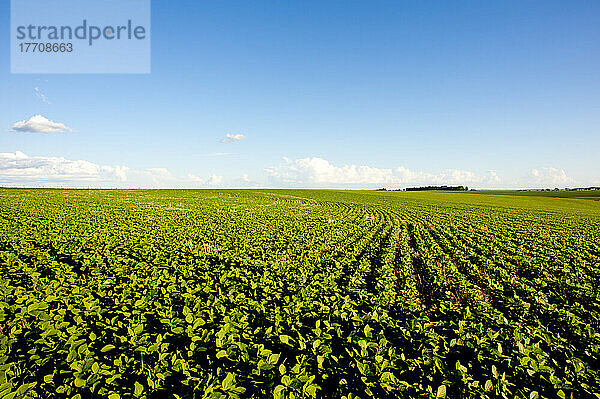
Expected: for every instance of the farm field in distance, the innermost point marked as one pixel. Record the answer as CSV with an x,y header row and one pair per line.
x,y
297,294
574,194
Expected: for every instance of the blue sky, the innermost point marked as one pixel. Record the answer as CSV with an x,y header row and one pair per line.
x,y
325,94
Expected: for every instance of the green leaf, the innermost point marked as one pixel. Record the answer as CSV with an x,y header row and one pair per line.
x,y
273,358
139,388
107,348
228,381
25,388
488,385
441,391
320,360
34,307
138,329
262,365
221,353
286,339
534,395
278,392
114,395
311,390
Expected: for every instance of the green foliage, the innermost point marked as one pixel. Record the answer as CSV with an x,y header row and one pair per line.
x,y
297,294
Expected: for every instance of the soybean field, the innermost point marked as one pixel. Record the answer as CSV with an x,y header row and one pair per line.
x,y
297,294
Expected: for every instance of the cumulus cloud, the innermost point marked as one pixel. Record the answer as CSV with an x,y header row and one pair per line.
x,y
196,179
19,168
552,176
39,124
215,180
320,172
212,180
161,172
493,177
162,177
230,138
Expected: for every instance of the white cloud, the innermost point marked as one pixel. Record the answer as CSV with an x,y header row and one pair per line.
x,y
552,176
39,124
20,169
493,177
161,172
230,138
163,178
215,180
196,179
320,172
120,172
39,94
160,177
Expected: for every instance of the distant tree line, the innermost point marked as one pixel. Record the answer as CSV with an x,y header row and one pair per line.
x,y
431,188
438,188
581,189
